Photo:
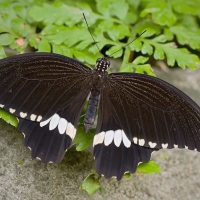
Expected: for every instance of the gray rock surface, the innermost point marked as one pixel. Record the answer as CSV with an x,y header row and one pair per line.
x,y
26,179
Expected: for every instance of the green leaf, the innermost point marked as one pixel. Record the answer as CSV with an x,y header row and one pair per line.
x,y
105,25
44,46
144,69
82,139
147,48
136,45
139,66
183,57
119,9
34,41
165,17
67,51
140,60
19,9
102,6
58,14
2,52
117,32
51,29
18,44
186,7
150,27
83,44
6,39
185,36
86,56
168,34
159,54
173,54
161,13
8,117
91,184
127,175
126,68
57,49
20,28
148,168
113,34
113,49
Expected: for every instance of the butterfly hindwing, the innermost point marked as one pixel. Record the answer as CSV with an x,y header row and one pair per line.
x,y
114,153
35,86
154,113
49,139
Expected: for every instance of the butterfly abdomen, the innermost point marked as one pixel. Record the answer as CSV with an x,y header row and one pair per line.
x,y
99,79
91,109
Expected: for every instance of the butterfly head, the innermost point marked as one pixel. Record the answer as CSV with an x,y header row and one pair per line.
x,y
102,64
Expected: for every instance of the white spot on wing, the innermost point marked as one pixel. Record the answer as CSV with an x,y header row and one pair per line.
x,y
71,131
12,110
45,122
126,141
54,122
118,137
99,138
152,145
38,158
135,140
1,105
39,118
108,137
164,145
33,117
141,142
22,115
23,134
62,126
95,139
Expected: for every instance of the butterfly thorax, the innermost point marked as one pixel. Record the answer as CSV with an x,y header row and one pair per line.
x,y
100,74
102,65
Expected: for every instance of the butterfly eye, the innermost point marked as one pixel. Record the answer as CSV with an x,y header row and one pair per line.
x,y
108,62
98,60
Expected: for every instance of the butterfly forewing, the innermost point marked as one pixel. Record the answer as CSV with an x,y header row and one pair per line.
x,y
40,84
153,113
47,93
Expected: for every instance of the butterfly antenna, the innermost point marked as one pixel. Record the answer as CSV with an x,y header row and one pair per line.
x,y
92,35
128,43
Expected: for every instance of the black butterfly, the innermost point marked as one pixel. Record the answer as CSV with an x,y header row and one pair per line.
x,y
137,114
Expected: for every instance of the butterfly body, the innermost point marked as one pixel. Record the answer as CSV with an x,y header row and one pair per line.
x,y
137,114
99,78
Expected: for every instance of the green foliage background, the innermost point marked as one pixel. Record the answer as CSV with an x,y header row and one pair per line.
x,y
173,30
172,35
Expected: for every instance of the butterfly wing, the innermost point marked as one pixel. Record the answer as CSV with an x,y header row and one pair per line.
x,y
114,153
35,86
47,93
154,113
50,139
